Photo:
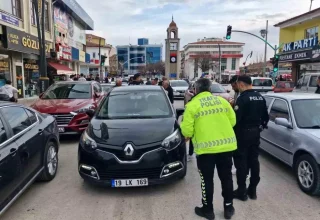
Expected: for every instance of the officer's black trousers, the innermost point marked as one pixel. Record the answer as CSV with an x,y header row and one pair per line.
x,y
246,158
206,165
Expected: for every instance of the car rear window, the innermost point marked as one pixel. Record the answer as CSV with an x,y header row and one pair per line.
x,y
180,83
262,82
137,104
68,91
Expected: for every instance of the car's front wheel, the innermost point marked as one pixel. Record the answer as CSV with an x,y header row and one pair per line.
x,y
308,174
50,162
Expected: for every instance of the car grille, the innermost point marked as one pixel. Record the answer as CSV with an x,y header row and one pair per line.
x,y
181,91
120,154
151,173
63,119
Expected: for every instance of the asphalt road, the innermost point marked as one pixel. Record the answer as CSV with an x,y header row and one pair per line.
x,y
67,197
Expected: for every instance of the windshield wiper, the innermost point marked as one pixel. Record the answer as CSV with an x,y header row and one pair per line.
x,y
313,127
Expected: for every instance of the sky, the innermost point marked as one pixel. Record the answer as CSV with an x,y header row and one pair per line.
x,y
121,22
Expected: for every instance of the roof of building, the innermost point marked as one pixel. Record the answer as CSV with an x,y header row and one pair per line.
x,y
172,24
297,17
217,42
90,44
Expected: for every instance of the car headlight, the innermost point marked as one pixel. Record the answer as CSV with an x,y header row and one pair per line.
x,y
172,141
83,109
87,142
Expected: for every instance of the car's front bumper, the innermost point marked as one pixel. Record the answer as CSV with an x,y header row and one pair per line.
x,y
101,166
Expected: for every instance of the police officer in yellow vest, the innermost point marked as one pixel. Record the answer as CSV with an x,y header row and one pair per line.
x,y
209,121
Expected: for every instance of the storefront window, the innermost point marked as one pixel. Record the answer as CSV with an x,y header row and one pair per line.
x,y
4,69
31,77
312,32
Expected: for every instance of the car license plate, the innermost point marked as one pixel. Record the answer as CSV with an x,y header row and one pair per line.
x,y
130,182
61,129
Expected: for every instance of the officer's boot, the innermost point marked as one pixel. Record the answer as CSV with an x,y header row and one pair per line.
x,y
228,211
240,194
252,192
204,212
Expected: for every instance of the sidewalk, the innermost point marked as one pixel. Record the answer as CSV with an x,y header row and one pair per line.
x,y
28,101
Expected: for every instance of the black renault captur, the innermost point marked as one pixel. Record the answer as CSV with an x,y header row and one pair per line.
x,y
133,139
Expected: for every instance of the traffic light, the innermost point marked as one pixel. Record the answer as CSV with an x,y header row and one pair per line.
x,y
103,60
229,30
275,63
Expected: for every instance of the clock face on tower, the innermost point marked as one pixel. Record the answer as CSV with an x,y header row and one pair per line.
x,y
173,59
173,46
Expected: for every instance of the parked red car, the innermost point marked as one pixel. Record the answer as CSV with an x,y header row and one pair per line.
x,y
283,86
68,102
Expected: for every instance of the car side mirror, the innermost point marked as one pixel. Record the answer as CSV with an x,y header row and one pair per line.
x,y
179,112
228,91
283,122
90,113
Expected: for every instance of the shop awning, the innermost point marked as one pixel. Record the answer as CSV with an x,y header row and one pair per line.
x,y
61,69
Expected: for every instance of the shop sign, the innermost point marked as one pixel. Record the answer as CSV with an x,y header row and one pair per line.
x,y
65,53
300,44
82,56
23,42
304,55
75,54
9,19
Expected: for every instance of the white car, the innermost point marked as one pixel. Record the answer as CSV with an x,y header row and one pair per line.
x,y
262,84
179,87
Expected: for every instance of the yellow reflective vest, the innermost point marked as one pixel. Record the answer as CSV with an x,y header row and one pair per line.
x,y
209,121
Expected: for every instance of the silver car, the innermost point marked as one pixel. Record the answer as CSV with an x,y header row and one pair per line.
x,y
293,135
179,87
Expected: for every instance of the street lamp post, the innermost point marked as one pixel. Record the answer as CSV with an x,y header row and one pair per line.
x,y
264,34
219,63
244,64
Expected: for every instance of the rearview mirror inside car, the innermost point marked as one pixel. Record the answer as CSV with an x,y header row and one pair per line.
x,y
90,113
179,112
283,122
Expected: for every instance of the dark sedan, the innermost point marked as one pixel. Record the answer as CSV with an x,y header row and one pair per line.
x,y
133,140
29,144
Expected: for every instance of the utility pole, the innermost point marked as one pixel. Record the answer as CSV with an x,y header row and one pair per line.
x,y
39,7
219,63
311,5
265,51
100,63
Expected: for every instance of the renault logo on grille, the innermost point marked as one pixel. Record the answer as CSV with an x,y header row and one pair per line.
x,y
128,150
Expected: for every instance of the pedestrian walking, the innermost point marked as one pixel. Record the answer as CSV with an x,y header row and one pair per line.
x,y
168,88
82,77
163,79
7,92
252,117
318,85
209,121
136,80
97,79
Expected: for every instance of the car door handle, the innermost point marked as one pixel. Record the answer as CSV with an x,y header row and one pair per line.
x,y
13,151
40,131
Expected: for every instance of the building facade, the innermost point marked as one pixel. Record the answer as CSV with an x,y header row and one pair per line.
x,y
92,48
173,55
70,24
299,43
19,45
205,53
133,57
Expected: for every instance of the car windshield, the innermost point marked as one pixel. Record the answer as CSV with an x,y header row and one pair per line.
x,y
217,88
179,83
306,113
262,82
68,91
137,104
107,88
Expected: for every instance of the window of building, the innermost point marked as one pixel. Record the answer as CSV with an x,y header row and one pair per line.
x,y
279,109
32,14
94,55
46,19
16,8
223,64
233,64
312,32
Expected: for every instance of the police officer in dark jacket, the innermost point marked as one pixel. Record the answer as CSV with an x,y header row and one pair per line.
x,y
252,117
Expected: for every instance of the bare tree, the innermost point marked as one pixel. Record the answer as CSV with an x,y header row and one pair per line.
x,y
113,68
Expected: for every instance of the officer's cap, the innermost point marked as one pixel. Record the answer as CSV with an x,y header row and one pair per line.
x,y
233,79
245,79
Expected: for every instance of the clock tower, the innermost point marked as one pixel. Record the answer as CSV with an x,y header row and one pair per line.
x,y
172,51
